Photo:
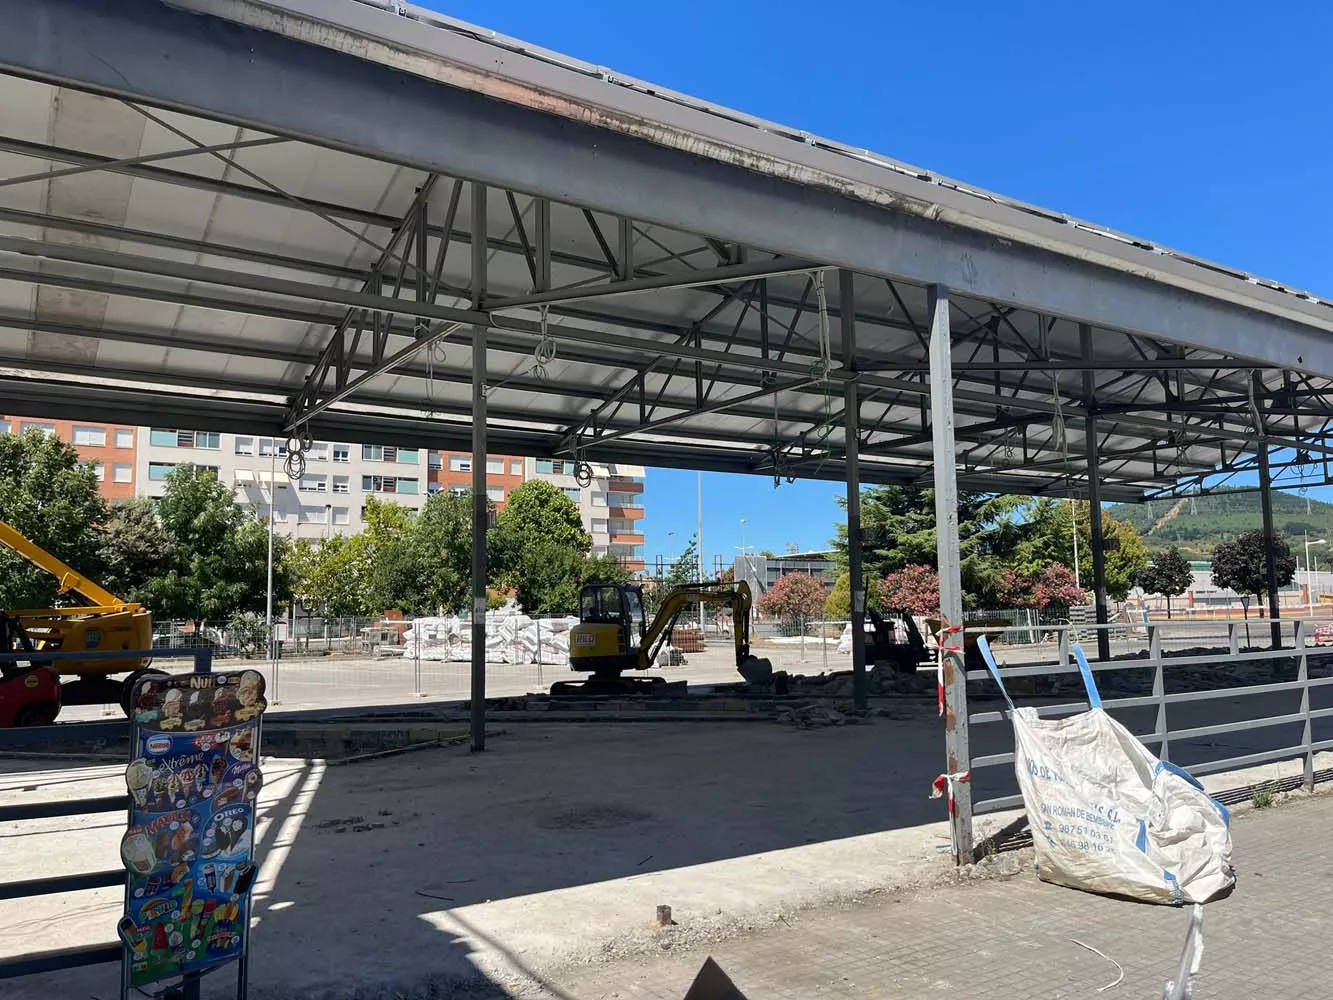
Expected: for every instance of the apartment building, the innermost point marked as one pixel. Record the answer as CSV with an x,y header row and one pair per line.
x,y
110,448
329,498
452,471
611,505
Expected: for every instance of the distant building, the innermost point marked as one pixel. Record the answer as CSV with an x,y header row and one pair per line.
x,y
110,448
762,572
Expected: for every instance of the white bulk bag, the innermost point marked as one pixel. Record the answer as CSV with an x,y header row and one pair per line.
x,y
1106,815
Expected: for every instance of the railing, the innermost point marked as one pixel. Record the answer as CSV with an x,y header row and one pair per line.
x,y
73,958
1140,648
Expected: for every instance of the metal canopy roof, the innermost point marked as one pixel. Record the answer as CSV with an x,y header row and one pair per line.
x,y
268,224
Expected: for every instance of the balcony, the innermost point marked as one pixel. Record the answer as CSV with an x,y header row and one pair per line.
x,y
622,499
626,538
626,513
620,485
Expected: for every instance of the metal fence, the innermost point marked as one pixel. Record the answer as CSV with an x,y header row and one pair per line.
x,y
1212,696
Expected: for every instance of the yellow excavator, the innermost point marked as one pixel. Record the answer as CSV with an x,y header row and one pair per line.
x,y
106,623
612,636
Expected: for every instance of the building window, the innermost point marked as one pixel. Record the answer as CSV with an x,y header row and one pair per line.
x,y
433,488
622,526
458,491
435,461
94,437
342,484
516,468
313,515
124,438
599,526
495,466
408,456
599,499
545,467
319,451
164,438
245,446
341,515
158,471
268,447
573,492
372,453
342,452
4,426
388,484
99,470
37,425
625,499
460,463
122,472
314,484
496,493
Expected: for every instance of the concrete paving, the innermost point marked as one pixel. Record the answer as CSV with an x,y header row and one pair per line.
x,y
1015,938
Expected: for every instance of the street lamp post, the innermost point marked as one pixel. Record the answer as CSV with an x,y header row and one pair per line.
x,y
1309,576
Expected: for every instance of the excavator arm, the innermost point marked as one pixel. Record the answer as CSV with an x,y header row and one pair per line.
x,y
69,580
736,596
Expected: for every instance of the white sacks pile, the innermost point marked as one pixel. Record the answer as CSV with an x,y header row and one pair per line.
x,y
1106,815
511,637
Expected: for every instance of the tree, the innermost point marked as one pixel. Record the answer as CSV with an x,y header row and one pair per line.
x,y
604,569
330,574
50,496
1050,540
898,528
443,539
838,607
219,561
794,599
134,547
1242,566
540,547
914,589
1168,574
391,561
684,569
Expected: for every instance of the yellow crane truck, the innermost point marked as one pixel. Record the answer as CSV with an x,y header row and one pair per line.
x,y
107,622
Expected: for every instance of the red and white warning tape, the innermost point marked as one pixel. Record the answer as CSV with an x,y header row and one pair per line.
x,y
945,785
945,631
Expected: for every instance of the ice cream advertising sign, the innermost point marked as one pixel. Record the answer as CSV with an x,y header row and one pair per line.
x,y
193,778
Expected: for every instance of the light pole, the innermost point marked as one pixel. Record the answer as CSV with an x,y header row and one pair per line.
x,y
699,552
1309,576
272,503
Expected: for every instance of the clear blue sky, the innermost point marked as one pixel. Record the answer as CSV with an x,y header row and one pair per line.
x,y
1200,125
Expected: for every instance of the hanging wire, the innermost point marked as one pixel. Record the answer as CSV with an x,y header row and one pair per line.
x,y
1059,438
294,463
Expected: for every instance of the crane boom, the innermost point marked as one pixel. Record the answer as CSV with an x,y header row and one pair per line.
x,y
69,580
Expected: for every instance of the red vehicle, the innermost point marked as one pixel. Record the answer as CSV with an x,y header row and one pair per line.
x,y
30,693
1323,635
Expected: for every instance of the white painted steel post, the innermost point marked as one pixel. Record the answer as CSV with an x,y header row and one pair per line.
x,y
852,434
949,558
480,513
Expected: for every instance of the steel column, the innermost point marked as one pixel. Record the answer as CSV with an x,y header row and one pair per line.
x,y
480,512
852,432
1093,456
1270,537
950,568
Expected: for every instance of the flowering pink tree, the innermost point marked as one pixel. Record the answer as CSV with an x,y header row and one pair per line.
x,y
1051,586
795,599
915,589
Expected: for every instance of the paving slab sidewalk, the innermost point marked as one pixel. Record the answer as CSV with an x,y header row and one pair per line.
x,y
1014,938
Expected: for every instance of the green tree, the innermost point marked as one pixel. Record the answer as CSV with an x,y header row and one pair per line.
x,y
1049,539
683,569
330,574
1168,574
838,607
443,539
219,561
539,548
50,496
604,569
898,530
134,547
1242,565
390,560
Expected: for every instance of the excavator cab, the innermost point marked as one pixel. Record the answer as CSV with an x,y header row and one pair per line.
x,y
610,630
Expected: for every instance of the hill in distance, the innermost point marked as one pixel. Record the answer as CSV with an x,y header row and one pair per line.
x,y
1197,524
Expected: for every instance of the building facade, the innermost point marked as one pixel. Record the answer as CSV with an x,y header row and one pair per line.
x,y
451,471
611,505
109,448
762,572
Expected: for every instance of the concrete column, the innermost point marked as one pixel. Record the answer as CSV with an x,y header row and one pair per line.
x,y
852,431
480,516
1093,464
947,548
